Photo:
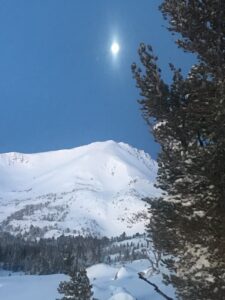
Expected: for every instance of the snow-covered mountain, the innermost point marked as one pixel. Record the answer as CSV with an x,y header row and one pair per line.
x,y
94,189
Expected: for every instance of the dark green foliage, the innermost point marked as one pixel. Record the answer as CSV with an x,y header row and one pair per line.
x,y
187,118
64,254
78,288
49,256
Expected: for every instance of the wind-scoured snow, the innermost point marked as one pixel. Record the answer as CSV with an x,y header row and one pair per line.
x,y
94,189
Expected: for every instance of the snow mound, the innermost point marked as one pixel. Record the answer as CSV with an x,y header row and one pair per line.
x,y
128,285
125,272
122,296
96,271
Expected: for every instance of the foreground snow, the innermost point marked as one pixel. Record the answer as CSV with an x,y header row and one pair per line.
x,y
109,283
123,283
94,189
27,287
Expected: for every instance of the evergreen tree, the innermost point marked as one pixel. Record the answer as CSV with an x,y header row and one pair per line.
x,y
187,118
78,288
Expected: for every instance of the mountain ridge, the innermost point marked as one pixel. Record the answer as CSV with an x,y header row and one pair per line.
x,y
93,189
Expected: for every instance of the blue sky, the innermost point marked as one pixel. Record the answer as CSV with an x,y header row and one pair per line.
x,y
60,86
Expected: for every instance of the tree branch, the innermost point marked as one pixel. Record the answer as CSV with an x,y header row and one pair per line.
x,y
155,287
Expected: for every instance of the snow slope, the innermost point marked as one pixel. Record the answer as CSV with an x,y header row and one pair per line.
x,y
109,283
94,189
123,283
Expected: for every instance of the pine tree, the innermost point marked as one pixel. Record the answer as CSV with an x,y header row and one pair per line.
x,y
77,288
187,118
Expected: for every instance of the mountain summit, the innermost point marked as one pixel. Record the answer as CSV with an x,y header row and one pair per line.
x,y
94,189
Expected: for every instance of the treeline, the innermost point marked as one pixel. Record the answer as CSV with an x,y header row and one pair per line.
x,y
65,254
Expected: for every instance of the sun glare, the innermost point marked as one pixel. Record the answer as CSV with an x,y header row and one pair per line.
x,y
115,48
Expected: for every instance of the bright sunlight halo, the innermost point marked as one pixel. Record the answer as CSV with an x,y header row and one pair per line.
x,y
115,48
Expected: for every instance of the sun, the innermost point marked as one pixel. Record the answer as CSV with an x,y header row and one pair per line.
x,y
115,48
